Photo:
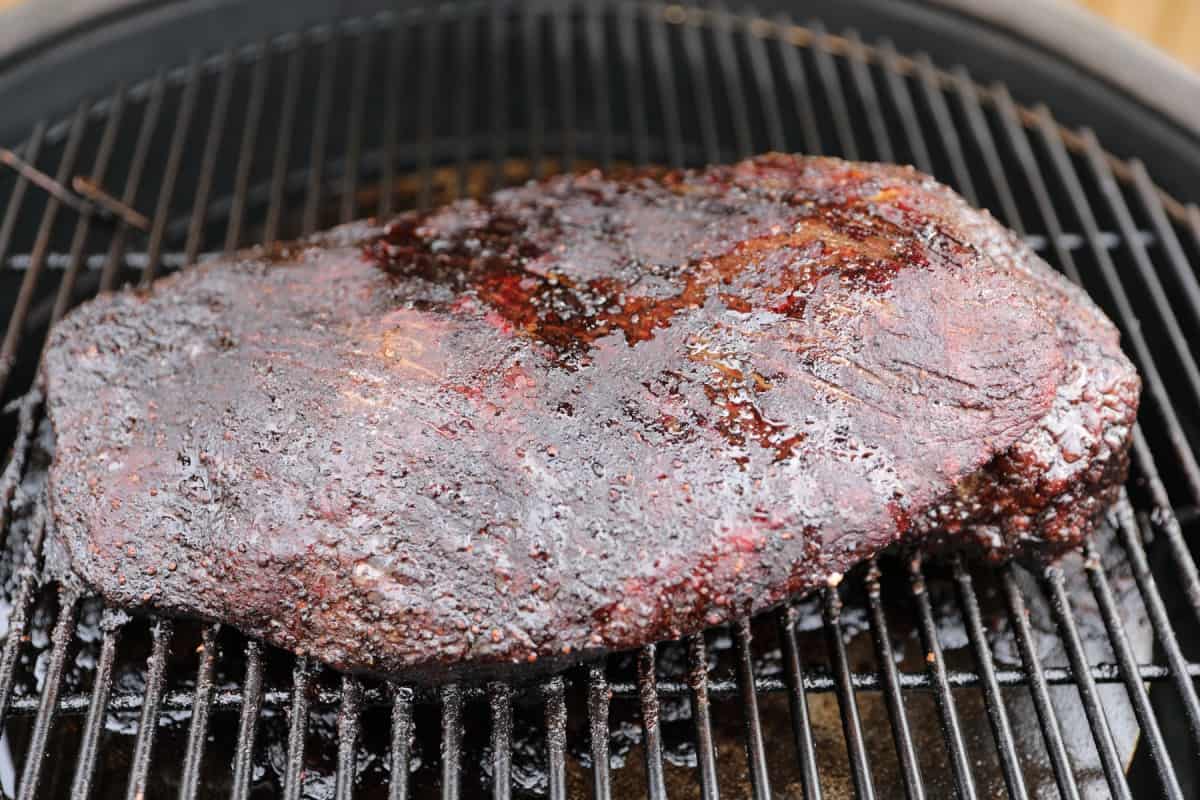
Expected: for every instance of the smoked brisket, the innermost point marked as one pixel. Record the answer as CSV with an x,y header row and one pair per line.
x,y
580,415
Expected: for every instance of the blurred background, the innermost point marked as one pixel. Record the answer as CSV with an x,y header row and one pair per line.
x,y
1173,25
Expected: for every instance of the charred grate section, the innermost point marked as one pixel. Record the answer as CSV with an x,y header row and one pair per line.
x,y
940,678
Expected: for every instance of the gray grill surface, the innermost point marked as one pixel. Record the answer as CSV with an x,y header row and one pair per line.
x,y
917,679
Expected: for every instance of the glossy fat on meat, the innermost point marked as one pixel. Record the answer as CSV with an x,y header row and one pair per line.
x,y
582,415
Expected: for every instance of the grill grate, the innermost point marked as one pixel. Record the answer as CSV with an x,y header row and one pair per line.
x,y
223,149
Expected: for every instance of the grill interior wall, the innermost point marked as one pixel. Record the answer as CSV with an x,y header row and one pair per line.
x,y
281,138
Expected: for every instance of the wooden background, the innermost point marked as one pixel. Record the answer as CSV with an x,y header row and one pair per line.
x,y
1174,25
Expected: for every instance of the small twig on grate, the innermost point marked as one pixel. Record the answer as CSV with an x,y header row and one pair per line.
x,y
92,195
89,189
41,179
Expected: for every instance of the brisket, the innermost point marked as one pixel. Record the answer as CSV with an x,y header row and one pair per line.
x,y
580,415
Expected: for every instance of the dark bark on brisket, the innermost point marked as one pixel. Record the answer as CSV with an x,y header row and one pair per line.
x,y
585,414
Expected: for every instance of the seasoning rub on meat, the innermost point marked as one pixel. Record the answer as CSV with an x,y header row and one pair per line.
x,y
583,414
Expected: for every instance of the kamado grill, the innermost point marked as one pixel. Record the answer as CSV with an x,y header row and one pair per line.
x,y
129,159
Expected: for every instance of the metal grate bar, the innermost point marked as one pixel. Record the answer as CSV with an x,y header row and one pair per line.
x,y
452,733
1160,620
817,681
531,57
143,745
827,72
1152,380
693,47
243,758
1141,258
401,744
667,95
968,96
632,70
30,404
293,776
465,94
860,765
97,710
598,705
189,782
722,31
498,116
36,752
797,79
556,737
253,116
133,179
363,47
391,119
208,161
500,702
1167,522
706,758
802,732
768,94
65,626
756,753
1181,270
864,86
598,66
1138,697
166,191
348,728
1018,617
320,136
425,118
19,619
283,143
906,752
1142,455
16,200
1010,760
902,100
564,74
1018,140
1064,617
651,724
947,130
935,660
1193,217
16,322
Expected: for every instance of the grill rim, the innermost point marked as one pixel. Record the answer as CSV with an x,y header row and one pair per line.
x,y
75,52
1071,32
843,679
1153,79
810,35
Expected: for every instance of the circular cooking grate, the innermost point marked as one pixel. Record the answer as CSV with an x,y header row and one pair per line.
x,y
940,678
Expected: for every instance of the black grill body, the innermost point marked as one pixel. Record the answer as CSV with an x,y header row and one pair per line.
x,y
912,678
